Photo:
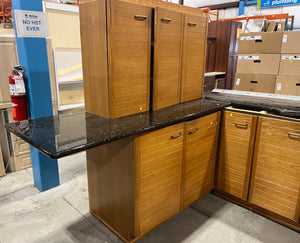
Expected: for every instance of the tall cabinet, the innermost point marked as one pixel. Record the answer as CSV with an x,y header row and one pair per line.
x,y
226,54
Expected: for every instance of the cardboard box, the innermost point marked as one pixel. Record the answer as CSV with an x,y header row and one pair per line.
x,y
287,85
258,63
255,82
290,42
289,65
260,42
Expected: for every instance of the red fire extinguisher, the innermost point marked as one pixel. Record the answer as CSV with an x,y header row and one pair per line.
x,y
18,93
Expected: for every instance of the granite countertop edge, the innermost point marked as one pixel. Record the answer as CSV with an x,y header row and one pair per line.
x,y
81,148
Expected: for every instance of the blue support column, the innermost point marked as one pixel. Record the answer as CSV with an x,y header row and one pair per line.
x,y
32,54
242,7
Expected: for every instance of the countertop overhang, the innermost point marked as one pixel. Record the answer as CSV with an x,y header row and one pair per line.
x,y
65,134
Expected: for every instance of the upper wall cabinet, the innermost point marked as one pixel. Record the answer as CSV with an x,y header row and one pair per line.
x,y
167,57
116,44
118,61
193,57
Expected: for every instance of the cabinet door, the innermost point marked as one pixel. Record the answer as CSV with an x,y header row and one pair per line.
x,y
236,149
275,179
158,177
193,57
199,158
167,57
9,58
129,46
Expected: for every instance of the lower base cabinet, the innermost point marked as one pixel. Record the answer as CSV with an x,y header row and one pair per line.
x,y
139,182
275,182
262,174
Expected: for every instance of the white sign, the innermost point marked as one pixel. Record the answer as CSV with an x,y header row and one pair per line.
x,y
254,37
31,24
249,57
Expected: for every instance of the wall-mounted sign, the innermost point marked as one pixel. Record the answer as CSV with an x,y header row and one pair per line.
x,y
31,24
275,3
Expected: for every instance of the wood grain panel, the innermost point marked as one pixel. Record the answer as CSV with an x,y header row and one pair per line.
x,y
235,156
8,59
275,181
164,4
110,171
167,57
193,57
94,57
129,43
158,177
199,158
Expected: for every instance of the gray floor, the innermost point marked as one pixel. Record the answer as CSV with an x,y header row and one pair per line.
x,y
61,215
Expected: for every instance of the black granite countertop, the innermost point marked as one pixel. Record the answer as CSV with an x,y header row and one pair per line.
x,y
66,134
287,108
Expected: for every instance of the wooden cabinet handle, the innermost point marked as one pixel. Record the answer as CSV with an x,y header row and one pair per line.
x,y
140,17
193,132
241,125
294,135
166,20
176,136
192,24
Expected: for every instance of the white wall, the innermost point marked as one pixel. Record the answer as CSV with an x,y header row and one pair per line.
x,y
249,10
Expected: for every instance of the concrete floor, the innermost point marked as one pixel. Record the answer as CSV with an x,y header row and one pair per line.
x,y
62,215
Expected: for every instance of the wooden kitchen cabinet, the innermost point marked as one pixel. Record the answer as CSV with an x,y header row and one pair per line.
x,y
199,158
235,155
193,57
9,58
167,57
139,182
158,177
275,179
116,47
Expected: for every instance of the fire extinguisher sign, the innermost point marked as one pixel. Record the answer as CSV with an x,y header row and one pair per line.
x,y
31,24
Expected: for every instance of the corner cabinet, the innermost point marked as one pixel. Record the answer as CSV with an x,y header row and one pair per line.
x,y
139,182
235,156
275,182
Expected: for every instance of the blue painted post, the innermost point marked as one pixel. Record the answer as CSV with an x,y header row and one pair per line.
x,y
32,54
242,7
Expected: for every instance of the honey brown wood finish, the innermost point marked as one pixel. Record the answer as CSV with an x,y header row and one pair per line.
x,y
94,56
199,158
275,181
193,57
110,170
158,177
129,47
235,155
167,57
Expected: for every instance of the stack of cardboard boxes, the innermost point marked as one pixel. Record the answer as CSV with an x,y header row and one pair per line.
x,y
269,62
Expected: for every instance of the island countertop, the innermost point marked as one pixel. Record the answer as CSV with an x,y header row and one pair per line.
x,y
66,134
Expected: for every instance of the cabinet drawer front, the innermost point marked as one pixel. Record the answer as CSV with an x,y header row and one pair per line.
x,y
158,177
276,168
199,158
167,55
21,147
129,45
193,57
23,161
236,151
